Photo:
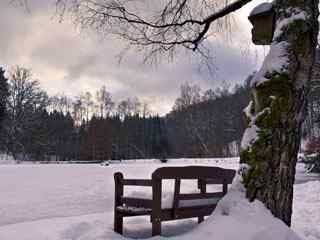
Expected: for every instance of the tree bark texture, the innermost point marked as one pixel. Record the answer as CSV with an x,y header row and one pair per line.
x,y
278,107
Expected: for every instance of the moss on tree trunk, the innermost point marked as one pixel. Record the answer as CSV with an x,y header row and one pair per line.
x,y
278,109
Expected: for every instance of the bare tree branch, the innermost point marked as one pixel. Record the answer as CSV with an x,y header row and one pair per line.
x,y
159,27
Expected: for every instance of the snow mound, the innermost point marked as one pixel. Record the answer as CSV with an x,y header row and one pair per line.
x,y
237,218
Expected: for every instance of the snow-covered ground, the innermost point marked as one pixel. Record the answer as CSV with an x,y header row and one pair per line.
x,y
65,201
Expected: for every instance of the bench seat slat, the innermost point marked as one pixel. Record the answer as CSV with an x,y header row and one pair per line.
x,y
137,202
186,212
134,211
190,212
218,180
193,196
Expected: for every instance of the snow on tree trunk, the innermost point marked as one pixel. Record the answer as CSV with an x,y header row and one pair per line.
x,y
279,90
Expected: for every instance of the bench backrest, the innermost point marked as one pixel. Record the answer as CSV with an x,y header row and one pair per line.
x,y
194,172
204,200
204,175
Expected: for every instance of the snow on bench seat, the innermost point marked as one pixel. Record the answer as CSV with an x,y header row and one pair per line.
x,y
134,210
187,186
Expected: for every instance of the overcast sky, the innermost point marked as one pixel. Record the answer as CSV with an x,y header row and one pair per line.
x,y
65,60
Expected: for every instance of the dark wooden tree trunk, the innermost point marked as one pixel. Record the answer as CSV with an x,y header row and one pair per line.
x,y
271,142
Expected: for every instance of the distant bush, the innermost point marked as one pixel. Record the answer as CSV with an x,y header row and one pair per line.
x,y
163,160
312,152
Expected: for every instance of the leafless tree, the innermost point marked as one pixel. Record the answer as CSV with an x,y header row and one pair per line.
x,y
61,103
146,111
78,110
125,108
104,102
25,98
189,94
88,104
136,106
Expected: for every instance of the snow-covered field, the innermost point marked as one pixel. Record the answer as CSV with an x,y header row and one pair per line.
x,y
69,202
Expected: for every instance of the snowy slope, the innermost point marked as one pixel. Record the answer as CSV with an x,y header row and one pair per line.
x,y
56,202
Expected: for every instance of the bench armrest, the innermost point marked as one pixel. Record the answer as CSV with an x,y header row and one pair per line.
x,y
137,182
120,180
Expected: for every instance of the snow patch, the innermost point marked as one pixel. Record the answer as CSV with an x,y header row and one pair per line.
x,y
297,14
250,136
6,159
306,207
7,162
273,97
146,193
276,61
252,131
247,110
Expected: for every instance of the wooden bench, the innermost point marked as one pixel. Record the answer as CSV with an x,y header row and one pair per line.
x,y
205,202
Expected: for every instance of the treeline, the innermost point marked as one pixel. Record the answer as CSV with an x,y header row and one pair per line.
x,y
94,127
208,125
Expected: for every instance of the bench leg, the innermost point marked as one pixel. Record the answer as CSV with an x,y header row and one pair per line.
x,y
118,193
118,223
156,228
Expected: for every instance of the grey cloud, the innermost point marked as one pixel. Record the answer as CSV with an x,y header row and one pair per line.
x,y
68,61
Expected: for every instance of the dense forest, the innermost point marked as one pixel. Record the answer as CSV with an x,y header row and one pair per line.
x,y
93,127
202,123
